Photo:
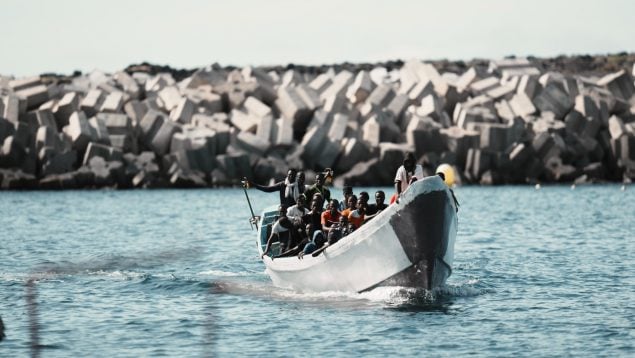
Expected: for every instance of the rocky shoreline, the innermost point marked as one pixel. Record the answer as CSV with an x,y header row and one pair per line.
x,y
510,121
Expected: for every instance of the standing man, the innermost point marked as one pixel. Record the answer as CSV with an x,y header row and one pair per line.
x,y
407,174
288,188
320,188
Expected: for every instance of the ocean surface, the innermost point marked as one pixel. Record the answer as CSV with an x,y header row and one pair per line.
x,y
537,273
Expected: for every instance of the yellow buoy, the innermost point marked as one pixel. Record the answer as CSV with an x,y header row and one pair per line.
x,y
448,171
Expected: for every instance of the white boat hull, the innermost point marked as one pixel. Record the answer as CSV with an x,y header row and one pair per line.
x,y
409,244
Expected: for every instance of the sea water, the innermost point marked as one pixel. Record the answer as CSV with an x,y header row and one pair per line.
x,y
546,272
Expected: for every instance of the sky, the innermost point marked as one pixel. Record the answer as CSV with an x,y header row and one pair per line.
x,y
65,35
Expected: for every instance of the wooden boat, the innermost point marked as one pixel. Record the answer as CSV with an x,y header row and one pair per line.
x,y
411,243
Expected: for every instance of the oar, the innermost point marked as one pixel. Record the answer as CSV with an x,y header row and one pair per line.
x,y
253,216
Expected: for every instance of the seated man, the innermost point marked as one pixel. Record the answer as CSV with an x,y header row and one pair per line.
x,y
364,198
338,230
317,241
330,216
334,234
280,232
298,211
352,204
379,205
347,191
356,217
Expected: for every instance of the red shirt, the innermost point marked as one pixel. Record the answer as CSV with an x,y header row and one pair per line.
x,y
328,219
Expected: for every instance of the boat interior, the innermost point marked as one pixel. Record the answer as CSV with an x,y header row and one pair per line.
x,y
266,223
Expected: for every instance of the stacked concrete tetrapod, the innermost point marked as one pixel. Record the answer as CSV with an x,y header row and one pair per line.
x,y
508,121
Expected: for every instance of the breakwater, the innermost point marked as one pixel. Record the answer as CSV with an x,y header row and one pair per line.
x,y
515,120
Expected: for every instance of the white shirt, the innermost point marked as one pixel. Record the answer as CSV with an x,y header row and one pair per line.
x,y
294,213
404,177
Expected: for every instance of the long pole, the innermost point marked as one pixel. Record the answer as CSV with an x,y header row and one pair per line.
x,y
253,216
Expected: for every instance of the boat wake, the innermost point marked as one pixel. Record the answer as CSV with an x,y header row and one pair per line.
x,y
391,297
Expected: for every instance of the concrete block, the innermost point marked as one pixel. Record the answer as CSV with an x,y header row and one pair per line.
x,y
505,111
6,129
92,102
398,106
338,127
19,84
321,83
293,107
312,144
34,96
616,127
426,71
338,86
235,166
135,110
97,150
484,85
204,97
475,115
529,86
243,121
12,154
310,96
284,132
118,124
519,155
363,173
65,107
42,118
113,103
521,105
170,96
255,107
420,90
46,136
371,132
493,137
381,96
183,111
554,99
123,142
619,83
354,151
328,154
127,83
99,131
79,131
252,143
361,87
391,156
61,163
477,163
431,106
586,106
11,108
466,79
160,142
150,124
264,131
500,92
335,104
158,82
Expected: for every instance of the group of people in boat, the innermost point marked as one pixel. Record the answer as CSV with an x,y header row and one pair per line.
x,y
309,220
